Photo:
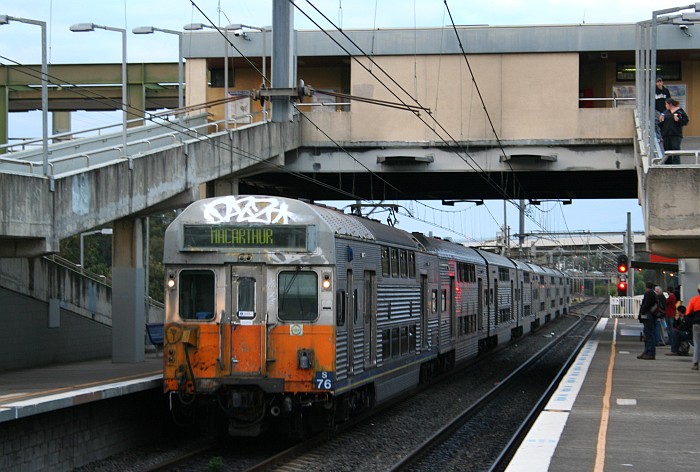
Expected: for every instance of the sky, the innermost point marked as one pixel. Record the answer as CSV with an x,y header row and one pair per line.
x,y
20,43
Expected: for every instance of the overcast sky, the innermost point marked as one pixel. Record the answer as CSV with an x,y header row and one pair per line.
x,y
21,43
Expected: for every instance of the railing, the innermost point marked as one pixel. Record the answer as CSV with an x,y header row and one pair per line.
x,y
689,157
629,100
625,307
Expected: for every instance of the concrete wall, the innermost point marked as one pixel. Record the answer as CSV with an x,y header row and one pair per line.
x,y
27,340
44,280
52,314
673,211
536,114
73,437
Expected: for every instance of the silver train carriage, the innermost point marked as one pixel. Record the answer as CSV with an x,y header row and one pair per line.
x,y
286,315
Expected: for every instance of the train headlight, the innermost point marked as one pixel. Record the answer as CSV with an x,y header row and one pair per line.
x,y
326,283
171,281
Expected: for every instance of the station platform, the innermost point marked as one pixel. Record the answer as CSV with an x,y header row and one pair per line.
x,y
30,392
614,412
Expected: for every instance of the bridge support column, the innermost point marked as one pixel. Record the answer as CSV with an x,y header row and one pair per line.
x,y
128,292
4,110
60,123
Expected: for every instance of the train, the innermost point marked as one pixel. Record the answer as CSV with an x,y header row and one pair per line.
x,y
286,316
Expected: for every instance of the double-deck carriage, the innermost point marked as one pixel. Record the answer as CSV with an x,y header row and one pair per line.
x,y
289,314
285,315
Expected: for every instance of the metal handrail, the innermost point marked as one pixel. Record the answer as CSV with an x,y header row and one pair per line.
x,y
614,100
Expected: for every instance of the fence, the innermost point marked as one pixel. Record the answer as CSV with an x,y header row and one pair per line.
x,y
625,307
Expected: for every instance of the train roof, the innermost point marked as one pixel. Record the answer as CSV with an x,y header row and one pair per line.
x,y
447,248
259,209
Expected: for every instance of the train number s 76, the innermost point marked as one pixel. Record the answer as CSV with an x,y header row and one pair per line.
x,y
323,380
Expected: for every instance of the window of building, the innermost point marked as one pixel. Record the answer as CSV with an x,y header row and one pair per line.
x,y
626,71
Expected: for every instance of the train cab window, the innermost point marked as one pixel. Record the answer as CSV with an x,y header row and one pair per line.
x,y
394,262
297,296
385,262
411,264
197,295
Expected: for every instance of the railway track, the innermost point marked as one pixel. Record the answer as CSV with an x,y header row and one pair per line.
x,y
535,379
398,435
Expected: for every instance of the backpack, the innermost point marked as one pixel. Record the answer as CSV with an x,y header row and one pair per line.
x,y
659,309
686,323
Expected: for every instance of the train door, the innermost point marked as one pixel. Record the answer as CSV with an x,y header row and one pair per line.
x,y
350,324
453,308
424,311
247,327
480,304
513,295
495,297
370,318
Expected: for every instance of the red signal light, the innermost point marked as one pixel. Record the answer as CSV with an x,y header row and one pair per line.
x,y
622,289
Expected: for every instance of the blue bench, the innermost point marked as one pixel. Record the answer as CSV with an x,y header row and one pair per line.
x,y
155,335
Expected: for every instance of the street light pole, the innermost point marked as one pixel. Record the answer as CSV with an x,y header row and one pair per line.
x,y
4,19
82,242
83,27
180,69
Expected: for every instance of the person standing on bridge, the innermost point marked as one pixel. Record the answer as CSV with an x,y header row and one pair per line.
x,y
646,316
672,121
661,95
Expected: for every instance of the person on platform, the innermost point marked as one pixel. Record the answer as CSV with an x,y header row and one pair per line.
x,y
661,304
679,333
646,316
693,308
670,310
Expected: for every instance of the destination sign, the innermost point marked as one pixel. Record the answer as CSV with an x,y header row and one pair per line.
x,y
224,236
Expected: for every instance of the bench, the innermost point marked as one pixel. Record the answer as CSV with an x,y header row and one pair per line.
x,y
155,335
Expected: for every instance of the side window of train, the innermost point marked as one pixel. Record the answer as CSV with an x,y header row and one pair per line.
x,y
403,263
433,301
394,262
412,264
340,307
443,300
197,295
386,266
356,302
297,296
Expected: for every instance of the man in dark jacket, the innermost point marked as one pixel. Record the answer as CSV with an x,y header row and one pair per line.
x,y
661,94
646,316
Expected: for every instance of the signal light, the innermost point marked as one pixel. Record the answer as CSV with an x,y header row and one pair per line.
x,y
622,264
622,288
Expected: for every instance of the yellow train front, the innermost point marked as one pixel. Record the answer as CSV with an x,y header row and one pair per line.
x,y
250,319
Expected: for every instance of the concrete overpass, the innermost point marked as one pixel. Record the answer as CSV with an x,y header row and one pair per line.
x,y
543,144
